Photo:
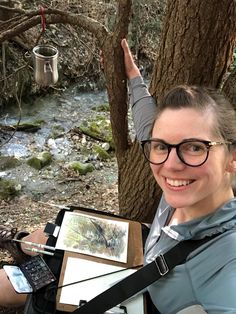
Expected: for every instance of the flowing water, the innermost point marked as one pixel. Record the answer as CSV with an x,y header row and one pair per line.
x,y
65,111
61,113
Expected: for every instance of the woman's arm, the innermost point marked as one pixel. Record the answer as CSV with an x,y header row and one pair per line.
x,y
143,108
143,105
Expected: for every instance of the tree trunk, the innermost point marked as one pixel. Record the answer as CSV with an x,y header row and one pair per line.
x,y
138,192
196,45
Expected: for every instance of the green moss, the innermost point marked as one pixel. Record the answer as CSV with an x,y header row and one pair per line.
x,y
99,128
57,131
7,189
38,162
102,153
80,167
102,108
27,126
8,162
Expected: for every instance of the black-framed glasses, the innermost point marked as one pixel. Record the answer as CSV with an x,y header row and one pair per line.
x,y
193,153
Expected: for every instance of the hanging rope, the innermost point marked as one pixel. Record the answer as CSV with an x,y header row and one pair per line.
x,y
43,24
43,18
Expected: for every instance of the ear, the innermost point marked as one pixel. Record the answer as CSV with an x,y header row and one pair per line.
x,y
231,166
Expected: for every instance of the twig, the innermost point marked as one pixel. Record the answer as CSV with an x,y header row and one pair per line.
x,y
15,10
69,179
4,65
16,71
18,100
54,205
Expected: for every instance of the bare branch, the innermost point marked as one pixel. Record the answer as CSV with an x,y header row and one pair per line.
x,y
123,16
30,19
9,9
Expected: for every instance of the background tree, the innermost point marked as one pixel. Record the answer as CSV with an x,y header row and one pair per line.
x,y
197,44
196,47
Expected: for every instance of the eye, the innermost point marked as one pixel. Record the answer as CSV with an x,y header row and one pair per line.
x,y
158,147
193,148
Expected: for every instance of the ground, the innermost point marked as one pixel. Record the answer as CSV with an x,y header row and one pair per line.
x,y
97,189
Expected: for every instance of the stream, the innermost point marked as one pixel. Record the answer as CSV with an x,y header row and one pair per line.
x,y
60,113
64,111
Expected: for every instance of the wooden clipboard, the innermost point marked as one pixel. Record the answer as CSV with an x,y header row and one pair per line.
x,y
134,259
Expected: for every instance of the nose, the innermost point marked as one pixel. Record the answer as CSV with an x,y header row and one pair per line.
x,y
173,161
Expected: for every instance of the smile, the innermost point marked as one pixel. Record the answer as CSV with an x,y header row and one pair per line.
x,y
177,183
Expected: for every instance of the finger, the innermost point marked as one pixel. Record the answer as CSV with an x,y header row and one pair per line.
x,y
130,66
126,49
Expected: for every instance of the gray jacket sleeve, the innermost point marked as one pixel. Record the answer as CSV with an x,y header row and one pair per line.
x,y
143,108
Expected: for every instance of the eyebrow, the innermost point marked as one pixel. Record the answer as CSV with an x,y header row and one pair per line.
x,y
185,139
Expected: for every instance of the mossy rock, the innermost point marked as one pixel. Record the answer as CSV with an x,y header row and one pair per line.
x,y
38,162
7,189
81,168
57,131
28,126
8,162
102,108
99,128
101,152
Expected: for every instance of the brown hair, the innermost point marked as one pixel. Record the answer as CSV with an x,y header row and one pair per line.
x,y
203,99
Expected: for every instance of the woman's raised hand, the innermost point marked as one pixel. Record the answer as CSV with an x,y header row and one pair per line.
x,y
130,66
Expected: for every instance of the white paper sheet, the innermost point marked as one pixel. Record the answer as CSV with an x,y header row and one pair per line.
x,y
79,269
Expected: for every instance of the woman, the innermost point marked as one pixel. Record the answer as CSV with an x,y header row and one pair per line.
x,y
193,159
192,154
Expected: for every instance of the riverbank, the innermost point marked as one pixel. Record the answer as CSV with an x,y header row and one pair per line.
x,y
55,183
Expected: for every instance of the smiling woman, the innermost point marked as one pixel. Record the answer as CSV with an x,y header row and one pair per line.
x,y
190,143
207,183
191,148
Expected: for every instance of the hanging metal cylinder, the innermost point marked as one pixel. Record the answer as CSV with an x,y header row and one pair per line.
x,y
45,65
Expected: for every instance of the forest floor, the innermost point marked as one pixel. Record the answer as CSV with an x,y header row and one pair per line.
x,y
97,190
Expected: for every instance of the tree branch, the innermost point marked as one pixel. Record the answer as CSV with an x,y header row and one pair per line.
x,y
9,9
116,80
29,19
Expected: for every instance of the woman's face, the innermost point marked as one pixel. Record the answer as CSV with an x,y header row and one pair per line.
x,y
201,189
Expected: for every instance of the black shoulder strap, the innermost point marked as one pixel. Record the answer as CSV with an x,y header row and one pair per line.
x,y
142,278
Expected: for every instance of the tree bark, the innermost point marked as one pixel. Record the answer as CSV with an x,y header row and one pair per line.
x,y
28,19
138,192
196,45
138,196
114,72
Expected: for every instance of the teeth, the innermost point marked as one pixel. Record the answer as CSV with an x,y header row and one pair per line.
x,y
178,182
